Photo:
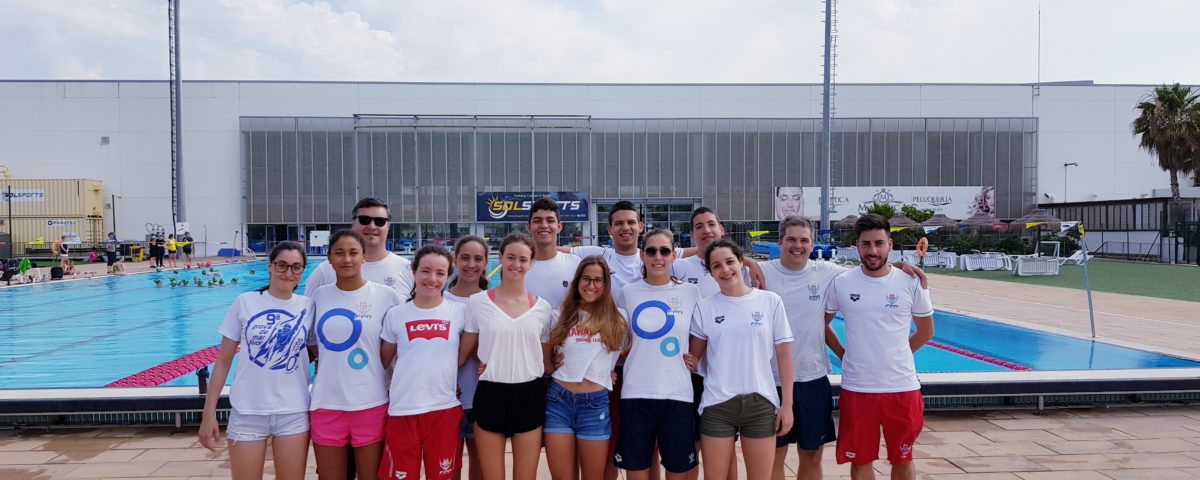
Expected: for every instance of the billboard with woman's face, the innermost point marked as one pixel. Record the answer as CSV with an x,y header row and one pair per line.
x,y
789,202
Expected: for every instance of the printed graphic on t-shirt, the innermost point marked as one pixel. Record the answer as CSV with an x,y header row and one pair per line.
x,y
358,358
274,339
428,329
814,292
669,347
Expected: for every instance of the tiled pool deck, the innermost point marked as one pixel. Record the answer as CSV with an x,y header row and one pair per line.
x,y
1078,444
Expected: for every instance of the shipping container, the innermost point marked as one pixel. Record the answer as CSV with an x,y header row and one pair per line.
x,y
33,236
52,197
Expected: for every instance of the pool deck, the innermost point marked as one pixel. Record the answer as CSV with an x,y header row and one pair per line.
x,y
1151,442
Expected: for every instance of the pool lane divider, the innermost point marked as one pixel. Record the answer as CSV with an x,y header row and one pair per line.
x,y
160,374
979,356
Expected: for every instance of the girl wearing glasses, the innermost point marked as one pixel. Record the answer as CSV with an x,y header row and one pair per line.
x,y
511,327
656,399
270,392
424,414
470,264
349,396
590,335
739,331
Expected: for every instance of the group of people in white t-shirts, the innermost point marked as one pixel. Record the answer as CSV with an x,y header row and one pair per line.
x,y
641,358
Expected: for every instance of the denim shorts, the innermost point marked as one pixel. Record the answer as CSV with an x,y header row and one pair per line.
x,y
584,415
256,428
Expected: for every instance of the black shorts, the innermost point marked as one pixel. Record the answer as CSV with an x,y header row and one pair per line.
x,y
510,408
812,412
110,258
187,249
646,422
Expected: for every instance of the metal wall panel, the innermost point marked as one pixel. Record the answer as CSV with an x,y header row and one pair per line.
x,y
53,197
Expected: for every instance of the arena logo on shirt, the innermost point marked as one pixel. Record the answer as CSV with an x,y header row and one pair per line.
x,y
428,329
275,338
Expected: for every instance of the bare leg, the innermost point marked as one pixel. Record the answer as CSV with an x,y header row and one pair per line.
x,y
862,472
366,459
810,464
905,471
718,456
246,459
560,454
490,449
778,471
593,458
291,456
527,448
331,462
759,454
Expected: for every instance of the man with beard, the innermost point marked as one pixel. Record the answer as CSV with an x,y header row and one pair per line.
x,y
880,389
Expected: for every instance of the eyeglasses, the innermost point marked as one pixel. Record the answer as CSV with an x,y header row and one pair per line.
x,y
585,281
661,251
366,220
283,267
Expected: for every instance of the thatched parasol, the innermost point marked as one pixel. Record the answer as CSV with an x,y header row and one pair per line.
x,y
1041,217
902,221
940,221
847,222
981,222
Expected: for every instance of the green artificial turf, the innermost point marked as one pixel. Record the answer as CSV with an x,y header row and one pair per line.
x,y
1179,282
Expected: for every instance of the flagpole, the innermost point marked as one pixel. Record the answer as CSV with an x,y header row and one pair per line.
x,y
1087,281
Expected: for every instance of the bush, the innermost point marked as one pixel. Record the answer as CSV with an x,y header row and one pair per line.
x,y
917,214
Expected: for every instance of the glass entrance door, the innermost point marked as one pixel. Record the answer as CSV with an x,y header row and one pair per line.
x,y
673,214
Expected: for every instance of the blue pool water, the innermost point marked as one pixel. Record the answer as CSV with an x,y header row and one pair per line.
x,y
90,333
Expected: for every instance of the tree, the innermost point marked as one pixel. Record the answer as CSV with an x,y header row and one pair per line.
x,y
1169,124
885,210
918,215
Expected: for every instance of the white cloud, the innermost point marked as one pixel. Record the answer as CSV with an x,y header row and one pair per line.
x,y
604,40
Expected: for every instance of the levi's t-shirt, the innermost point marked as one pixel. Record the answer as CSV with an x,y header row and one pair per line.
x,y
424,378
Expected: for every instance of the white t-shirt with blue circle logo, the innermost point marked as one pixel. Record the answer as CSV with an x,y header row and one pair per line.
x,y
271,376
742,333
659,318
350,375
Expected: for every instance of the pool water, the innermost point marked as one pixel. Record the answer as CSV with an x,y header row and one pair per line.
x,y
91,333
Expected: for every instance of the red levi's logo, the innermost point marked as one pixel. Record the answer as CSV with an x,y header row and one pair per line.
x,y
428,329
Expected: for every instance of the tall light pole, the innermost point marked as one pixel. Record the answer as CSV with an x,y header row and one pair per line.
x,y
178,213
1065,165
826,158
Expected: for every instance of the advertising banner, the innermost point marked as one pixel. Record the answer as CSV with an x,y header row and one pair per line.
x,y
24,195
513,207
954,202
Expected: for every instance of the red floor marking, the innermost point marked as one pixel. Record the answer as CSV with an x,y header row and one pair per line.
x,y
981,357
158,375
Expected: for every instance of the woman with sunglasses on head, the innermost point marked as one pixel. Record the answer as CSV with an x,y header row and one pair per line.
x,y
739,331
656,400
470,264
510,327
422,336
349,393
590,335
270,392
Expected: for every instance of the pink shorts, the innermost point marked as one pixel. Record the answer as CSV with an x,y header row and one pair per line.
x,y
337,428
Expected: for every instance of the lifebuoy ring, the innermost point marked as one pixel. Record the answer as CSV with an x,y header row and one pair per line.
x,y
922,247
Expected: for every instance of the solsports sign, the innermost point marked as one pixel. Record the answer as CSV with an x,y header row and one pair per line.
x,y
512,207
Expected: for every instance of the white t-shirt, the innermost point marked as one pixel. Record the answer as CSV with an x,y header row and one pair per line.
x,y
394,271
659,323
585,356
742,333
350,374
878,313
550,279
424,378
691,270
511,347
468,374
803,294
271,376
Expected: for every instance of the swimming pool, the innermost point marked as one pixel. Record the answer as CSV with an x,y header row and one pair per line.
x,y
94,333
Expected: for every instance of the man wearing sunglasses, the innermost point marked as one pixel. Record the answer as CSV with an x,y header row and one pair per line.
x,y
371,219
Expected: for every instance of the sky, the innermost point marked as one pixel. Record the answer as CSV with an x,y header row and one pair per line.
x,y
605,41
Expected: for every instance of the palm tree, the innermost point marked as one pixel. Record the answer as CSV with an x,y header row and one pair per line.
x,y
1169,123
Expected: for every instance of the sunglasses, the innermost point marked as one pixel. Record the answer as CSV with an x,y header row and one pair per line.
x,y
660,251
366,220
